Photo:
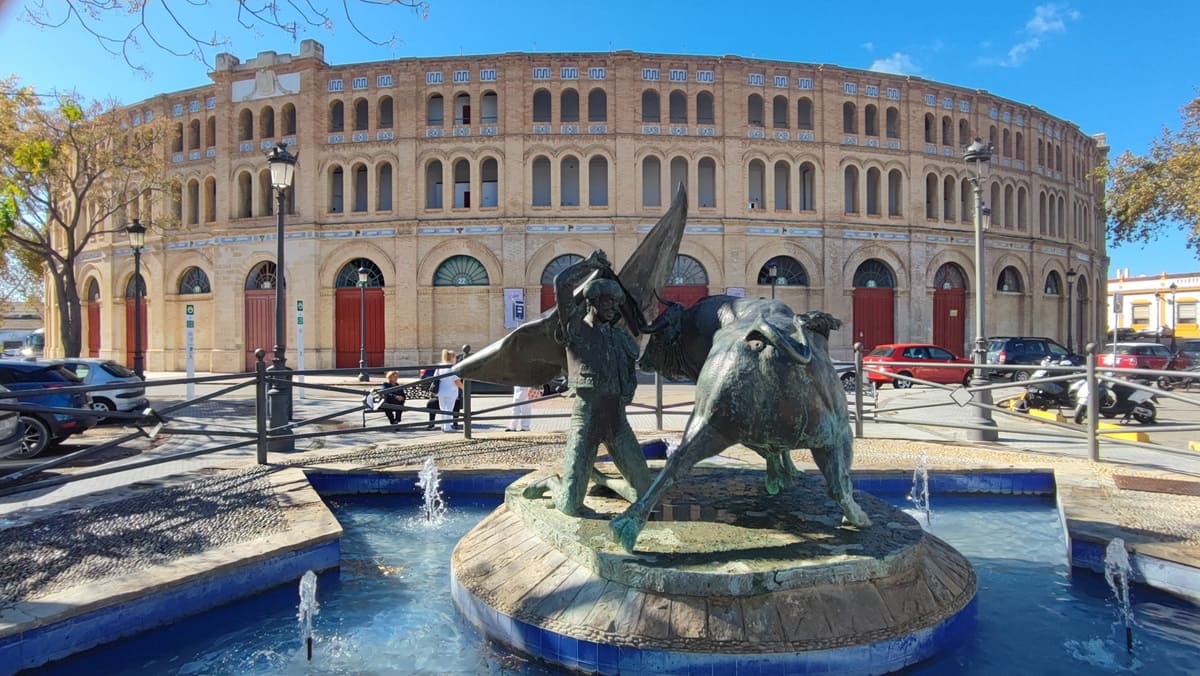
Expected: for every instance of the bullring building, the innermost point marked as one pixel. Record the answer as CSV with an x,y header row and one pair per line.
x,y
461,185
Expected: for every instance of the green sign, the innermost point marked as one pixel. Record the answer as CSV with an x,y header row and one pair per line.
x,y
299,306
299,321
191,309
190,324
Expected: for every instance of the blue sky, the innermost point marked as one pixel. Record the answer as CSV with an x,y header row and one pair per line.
x,y
1109,66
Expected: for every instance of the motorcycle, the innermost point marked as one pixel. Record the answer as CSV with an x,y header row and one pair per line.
x,y
1189,374
1116,399
1047,396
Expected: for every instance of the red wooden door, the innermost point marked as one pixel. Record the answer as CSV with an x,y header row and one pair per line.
x,y
93,310
950,319
130,330
547,297
259,323
348,327
874,317
685,295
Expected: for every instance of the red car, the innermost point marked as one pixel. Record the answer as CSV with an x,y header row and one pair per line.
x,y
922,358
1134,356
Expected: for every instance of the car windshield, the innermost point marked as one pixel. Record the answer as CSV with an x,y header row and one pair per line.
x,y
881,352
49,374
1057,350
117,370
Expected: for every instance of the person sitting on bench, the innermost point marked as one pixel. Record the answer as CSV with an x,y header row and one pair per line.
x,y
393,395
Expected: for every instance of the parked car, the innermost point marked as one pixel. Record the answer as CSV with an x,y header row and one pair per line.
x,y
95,372
1134,356
1154,334
10,428
40,430
845,374
924,356
1123,334
1187,354
1026,351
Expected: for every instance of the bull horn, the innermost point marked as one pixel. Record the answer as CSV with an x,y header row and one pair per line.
x,y
796,350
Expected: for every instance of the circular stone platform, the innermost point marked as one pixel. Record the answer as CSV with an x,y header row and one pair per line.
x,y
723,576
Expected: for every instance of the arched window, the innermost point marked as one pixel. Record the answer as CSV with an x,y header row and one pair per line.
x,y
386,115
462,110
779,112
849,118
873,189
569,106
490,111
950,276
707,179
808,187
193,281
543,107
754,110
558,265
541,181
783,186
93,291
194,135
964,133
462,184
947,131
931,196
893,123
261,277
1020,146
895,193
598,181
687,272
1053,285
651,182
1006,143
788,272
871,121
568,181
210,132
177,142
245,197
359,175
266,205
597,106
874,273
489,177
347,277
756,184
383,187
435,111
804,113
337,116
1022,209
362,115
1010,281
704,108
288,115
930,132
336,190
135,287
245,125
850,192
948,200
433,185
650,109
460,271
210,199
678,175
266,124
677,108
1008,206
193,202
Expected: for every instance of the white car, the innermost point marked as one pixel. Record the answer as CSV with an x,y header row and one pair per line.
x,y
10,428
96,372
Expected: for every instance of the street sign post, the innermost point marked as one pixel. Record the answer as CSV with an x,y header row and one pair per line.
x,y
190,349
300,345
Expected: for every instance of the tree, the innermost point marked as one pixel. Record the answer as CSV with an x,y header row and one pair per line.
x,y
176,26
67,171
1147,193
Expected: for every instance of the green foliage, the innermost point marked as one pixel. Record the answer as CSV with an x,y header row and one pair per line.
x,y
1161,189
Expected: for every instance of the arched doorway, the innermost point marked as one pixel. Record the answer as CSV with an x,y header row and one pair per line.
x,y
348,304
1082,306
135,294
552,269
93,315
688,282
874,304
950,308
259,311
780,274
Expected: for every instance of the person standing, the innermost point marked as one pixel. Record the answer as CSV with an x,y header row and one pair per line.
x,y
447,389
521,408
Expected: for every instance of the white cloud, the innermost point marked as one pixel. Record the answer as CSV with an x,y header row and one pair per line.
x,y
898,63
1047,20
869,46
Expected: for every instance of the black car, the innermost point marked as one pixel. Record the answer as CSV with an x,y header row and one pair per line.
x,y
40,430
1026,351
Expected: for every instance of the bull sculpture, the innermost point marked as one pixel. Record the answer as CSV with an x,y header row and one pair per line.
x,y
764,379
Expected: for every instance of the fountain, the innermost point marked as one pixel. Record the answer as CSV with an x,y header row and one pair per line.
x,y
433,505
919,494
1116,573
308,608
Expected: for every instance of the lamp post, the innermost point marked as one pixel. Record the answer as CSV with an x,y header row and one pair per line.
x,y
773,274
283,171
1174,313
978,155
137,240
362,325
1070,292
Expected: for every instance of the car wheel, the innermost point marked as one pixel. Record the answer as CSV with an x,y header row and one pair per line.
x,y
966,381
34,438
900,384
102,406
848,382
1021,376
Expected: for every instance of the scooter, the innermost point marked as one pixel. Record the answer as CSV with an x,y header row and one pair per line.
x,y
1116,399
1046,396
1188,375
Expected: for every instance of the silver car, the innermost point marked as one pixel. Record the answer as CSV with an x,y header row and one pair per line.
x,y
96,372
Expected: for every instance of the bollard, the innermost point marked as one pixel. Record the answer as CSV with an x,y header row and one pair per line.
x,y
1093,404
260,404
466,395
860,379
658,400
279,405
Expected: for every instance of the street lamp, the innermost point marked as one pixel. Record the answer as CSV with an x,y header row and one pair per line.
x,y
362,325
978,155
283,171
1174,313
137,240
1070,291
773,274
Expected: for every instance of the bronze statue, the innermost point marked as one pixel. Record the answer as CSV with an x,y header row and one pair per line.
x,y
764,379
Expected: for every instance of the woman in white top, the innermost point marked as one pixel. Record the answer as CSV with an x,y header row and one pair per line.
x,y
447,389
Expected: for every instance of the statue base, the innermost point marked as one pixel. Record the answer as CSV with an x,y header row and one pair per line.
x,y
724,578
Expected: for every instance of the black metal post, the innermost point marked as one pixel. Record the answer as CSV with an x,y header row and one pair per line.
x,y
985,427
139,359
362,329
1070,302
280,394
1174,315
260,405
